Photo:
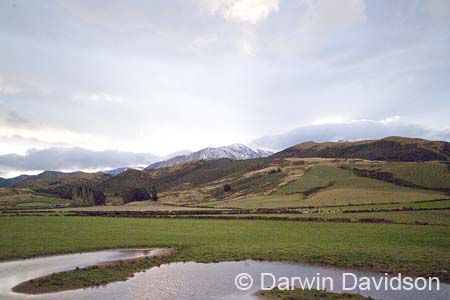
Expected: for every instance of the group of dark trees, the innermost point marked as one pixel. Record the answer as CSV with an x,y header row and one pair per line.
x,y
84,195
140,194
273,171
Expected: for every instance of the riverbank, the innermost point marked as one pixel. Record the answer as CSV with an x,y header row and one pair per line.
x,y
92,276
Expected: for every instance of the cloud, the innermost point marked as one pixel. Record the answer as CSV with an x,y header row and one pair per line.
x,y
247,11
185,78
321,16
16,120
349,131
439,10
100,97
17,130
204,41
8,88
246,47
320,19
73,159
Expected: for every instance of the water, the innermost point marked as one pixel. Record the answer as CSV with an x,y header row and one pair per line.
x,y
14,272
180,280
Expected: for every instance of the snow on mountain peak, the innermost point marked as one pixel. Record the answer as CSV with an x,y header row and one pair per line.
x,y
234,151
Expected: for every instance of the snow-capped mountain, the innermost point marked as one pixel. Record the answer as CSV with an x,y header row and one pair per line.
x,y
118,171
235,151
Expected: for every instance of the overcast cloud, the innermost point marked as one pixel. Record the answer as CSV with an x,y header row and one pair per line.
x,y
349,131
72,159
159,76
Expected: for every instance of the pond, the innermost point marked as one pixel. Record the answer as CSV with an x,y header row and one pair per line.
x,y
183,280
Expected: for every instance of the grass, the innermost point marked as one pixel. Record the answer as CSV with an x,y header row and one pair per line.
x,y
445,203
322,174
299,294
429,174
27,199
135,206
250,185
410,217
414,250
347,196
427,217
436,217
332,197
90,276
347,188
308,181
292,200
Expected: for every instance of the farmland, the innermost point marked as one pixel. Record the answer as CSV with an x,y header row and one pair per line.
x,y
378,247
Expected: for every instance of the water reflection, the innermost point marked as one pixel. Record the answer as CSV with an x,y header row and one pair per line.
x,y
191,281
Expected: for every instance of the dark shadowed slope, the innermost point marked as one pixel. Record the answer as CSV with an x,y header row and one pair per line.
x,y
390,149
23,178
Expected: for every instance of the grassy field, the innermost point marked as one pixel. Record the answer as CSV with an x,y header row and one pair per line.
x,y
326,184
429,174
322,174
415,250
427,217
27,200
334,197
445,203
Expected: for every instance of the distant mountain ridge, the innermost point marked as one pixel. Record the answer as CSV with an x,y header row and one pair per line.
x,y
234,151
44,175
388,149
118,171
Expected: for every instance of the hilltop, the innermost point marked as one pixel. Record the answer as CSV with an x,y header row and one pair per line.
x,y
44,175
386,149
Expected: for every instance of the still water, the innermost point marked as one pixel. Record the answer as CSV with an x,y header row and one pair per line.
x,y
179,280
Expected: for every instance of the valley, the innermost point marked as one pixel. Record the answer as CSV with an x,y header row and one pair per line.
x,y
346,212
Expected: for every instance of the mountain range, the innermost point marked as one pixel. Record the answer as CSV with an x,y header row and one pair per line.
x,y
235,152
220,160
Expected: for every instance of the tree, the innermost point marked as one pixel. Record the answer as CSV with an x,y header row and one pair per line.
x,y
135,194
153,193
84,195
227,187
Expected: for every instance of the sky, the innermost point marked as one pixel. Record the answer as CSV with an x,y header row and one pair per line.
x,y
96,84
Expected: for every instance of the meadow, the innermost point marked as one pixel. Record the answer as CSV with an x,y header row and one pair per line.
x,y
410,249
314,211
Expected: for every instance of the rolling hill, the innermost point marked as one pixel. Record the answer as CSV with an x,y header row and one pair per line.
x,y
23,178
306,174
62,186
386,149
